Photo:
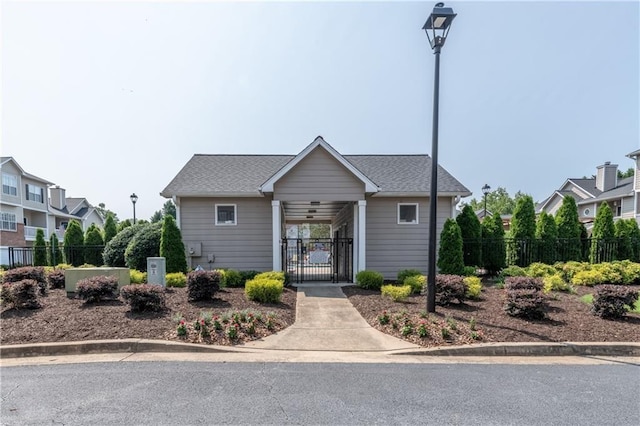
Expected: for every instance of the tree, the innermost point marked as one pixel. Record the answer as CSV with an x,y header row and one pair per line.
x,y
74,244
498,201
602,237
547,236
471,232
522,232
450,257
40,249
493,247
94,245
172,247
635,240
320,230
125,223
110,229
623,231
156,217
568,224
169,209
145,243
104,212
629,173
54,250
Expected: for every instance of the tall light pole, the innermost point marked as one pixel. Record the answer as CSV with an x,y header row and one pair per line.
x,y
437,28
486,189
134,200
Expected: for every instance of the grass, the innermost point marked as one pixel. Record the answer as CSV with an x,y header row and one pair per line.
x,y
588,299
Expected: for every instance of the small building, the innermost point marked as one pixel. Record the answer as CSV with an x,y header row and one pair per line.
x,y
234,211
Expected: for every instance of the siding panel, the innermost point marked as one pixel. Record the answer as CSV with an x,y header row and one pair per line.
x,y
244,246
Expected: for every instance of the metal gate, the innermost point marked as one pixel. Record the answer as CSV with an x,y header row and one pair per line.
x,y
318,259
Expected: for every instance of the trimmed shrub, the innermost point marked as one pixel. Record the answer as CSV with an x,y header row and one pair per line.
x,y
273,275
172,247
137,277
21,294
547,236
233,278
110,229
471,232
570,269
35,273
246,276
448,288
588,277
396,293
569,230
98,288
603,231
264,290
54,253
406,273
555,283
473,287
143,297
74,243
94,246
512,271
116,247
612,301
493,245
538,269
145,243
416,282
202,285
469,271
450,256
524,298
40,249
630,272
55,278
371,280
522,230
176,279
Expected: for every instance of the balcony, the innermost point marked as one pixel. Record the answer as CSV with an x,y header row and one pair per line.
x,y
30,232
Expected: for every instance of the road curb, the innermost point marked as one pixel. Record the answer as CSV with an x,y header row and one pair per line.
x,y
617,349
533,349
106,346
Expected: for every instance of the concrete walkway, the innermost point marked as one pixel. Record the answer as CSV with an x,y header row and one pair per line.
x,y
327,321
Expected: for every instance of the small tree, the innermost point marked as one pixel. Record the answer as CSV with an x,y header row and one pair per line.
x,y
471,236
145,243
547,236
110,229
40,249
114,251
74,244
493,247
94,245
171,246
634,232
54,250
602,237
522,232
569,231
169,209
623,232
450,257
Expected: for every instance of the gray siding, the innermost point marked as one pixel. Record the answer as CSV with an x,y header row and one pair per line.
x,y
244,246
10,169
344,222
319,177
392,247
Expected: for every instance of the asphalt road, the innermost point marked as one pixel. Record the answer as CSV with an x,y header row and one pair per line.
x,y
185,393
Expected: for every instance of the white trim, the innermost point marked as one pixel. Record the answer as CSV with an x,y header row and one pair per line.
x,y
235,214
362,235
275,238
441,194
415,222
176,202
369,186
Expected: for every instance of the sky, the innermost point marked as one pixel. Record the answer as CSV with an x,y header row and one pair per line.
x,y
110,98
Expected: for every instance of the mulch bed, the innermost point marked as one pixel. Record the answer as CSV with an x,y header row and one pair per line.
x,y
569,319
62,319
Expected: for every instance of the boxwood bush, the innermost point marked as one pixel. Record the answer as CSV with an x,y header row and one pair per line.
x,y
137,277
368,279
416,282
406,273
395,292
473,287
264,290
176,279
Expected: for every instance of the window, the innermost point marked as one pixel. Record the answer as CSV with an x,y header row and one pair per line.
x,y
8,222
407,213
9,184
35,193
226,214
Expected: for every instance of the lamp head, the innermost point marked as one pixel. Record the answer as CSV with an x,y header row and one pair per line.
x,y
438,25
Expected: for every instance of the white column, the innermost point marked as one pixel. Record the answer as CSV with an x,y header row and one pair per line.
x,y
275,229
176,201
356,240
362,234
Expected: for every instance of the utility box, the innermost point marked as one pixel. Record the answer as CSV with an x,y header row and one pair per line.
x,y
156,270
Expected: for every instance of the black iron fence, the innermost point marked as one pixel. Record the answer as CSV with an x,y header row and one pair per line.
x,y
73,255
318,259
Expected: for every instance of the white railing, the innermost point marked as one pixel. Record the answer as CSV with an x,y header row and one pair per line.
x,y
30,232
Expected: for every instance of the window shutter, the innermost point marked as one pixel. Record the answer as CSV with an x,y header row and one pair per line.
x,y
42,195
26,187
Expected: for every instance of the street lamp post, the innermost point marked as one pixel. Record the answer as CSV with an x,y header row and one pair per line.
x,y
437,27
486,189
134,199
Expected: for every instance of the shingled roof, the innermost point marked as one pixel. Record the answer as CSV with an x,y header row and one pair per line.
x,y
242,175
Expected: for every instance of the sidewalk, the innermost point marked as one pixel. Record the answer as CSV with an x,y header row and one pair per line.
x,y
327,321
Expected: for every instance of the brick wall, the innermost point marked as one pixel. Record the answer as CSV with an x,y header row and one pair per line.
x,y
14,239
